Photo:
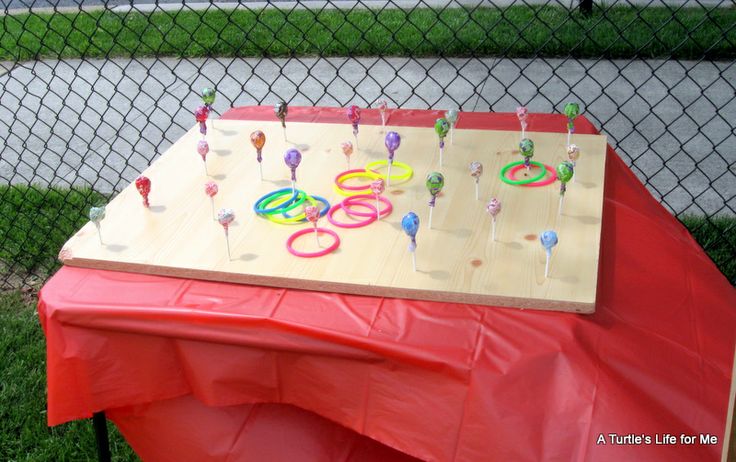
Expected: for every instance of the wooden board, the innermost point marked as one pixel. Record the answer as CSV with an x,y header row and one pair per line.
x,y
457,260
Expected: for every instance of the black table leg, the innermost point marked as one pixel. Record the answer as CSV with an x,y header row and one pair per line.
x,y
99,422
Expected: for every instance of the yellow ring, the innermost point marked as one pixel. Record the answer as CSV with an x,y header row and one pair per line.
x,y
394,178
296,219
347,176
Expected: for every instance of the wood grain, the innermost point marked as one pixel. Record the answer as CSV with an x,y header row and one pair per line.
x,y
457,260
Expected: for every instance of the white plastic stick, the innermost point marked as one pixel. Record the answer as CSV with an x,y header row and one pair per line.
x,y
431,209
383,120
388,177
316,237
99,232
378,208
476,190
285,133
452,131
414,260
441,152
347,159
260,168
493,229
293,187
562,198
574,171
227,241
205,168
523,131
546,266
212,201
568,137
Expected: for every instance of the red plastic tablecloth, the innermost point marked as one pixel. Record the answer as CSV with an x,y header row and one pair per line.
x,y
437,381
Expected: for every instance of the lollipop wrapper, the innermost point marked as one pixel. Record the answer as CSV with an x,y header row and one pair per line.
x,y
413,244
432,201
259,155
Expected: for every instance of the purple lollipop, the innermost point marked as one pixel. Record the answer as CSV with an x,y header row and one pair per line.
x,y
392,142
293,157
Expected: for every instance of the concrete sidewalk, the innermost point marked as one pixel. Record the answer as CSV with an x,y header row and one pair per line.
x,y
101,122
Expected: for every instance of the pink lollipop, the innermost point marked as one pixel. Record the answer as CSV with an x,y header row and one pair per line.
x,y
347,149
211,189
353,114
382,106
573,153
312,214
493,208
225,217
203,148
201,114
377,187
522,113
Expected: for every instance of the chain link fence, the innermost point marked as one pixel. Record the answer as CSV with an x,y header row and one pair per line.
x,y
92,92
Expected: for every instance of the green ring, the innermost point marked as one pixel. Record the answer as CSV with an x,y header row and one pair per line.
x,y
302,196
519,182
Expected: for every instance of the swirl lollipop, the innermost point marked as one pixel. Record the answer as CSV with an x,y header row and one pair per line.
x,y
522,113
410,225
281,109
347,149
211,189
353,114
208,98
377,188
293,158
451,117
526,149
382,106
572,110
441,127
573,153
548,240
565,172
493,208
201,114
143,185
225,217
435,182
312,214
258,140
476,170
203,148
96,215
392,142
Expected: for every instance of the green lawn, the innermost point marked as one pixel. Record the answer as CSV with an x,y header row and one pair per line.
x,y
616,32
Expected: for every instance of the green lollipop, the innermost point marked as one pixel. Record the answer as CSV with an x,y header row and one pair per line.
x,y
572,110
208,96
564,174
441,127
526,148
435,182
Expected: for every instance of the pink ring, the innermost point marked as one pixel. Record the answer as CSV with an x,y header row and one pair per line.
x,y
359,224
348,201
322,252
345,187
551,179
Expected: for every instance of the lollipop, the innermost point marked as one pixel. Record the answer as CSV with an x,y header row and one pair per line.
x,y
225,217
522,113
312,214
565,172
493,208
410,225
526,148
572,110
441,127
203,148
573,153
292,157
392,142
353,113
476,170
377,188
548,240
281,109
96,215
382,106
208,98
451,117
211,189
258,140
201,114
143,185
435,182
347,149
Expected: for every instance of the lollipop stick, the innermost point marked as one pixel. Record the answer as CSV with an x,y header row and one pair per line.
x,y
559,211
285,133
414,260
568,137
378,205
546,266
205,169
212,201
493,229
476,191
293,186
316,236
383,120
347,158
574,171
431,209
260,169
523,131
227,241
452,132
441,152
388,177
99,233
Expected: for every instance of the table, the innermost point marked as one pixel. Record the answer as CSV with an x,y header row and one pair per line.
x,y
435,381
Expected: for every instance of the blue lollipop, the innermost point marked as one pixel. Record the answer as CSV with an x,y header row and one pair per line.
x,y
410,225
548,240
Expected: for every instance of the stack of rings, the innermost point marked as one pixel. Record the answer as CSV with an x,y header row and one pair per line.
x,y
359,201
284,200
538,180
346,190
319,253
395,179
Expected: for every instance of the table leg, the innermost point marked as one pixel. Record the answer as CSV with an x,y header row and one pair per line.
x,y
99,422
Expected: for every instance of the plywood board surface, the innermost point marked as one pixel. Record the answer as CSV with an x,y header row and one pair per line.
x,y
457,260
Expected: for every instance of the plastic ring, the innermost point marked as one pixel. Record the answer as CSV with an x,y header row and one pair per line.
x,y
543,171
320,253
348,202
300,217
356,173
358,224
312,200
291,204
551,178
394,178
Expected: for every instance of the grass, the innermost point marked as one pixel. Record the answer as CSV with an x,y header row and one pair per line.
x,y
616,32
24,435
717,236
